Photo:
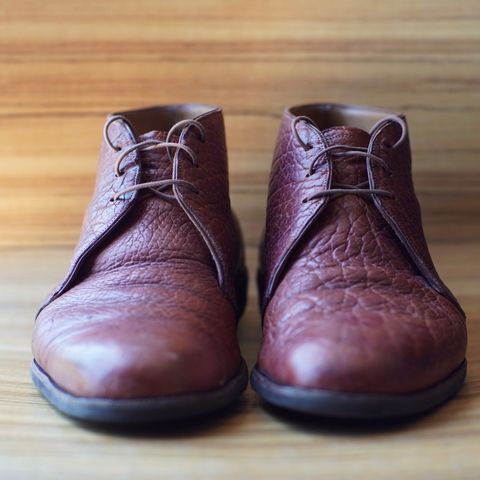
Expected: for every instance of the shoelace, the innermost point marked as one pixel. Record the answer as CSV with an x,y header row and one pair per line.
x,y
157,187
335,152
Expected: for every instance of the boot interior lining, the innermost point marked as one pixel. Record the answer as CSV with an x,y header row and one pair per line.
x,y
333,115
162,118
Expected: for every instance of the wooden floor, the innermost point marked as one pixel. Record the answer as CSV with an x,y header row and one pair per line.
x,y
64,65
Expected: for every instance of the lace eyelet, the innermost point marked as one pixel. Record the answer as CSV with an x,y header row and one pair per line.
x,y
307,146
305,200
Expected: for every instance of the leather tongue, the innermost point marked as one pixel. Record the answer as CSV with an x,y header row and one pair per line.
x,y
348,170
156,158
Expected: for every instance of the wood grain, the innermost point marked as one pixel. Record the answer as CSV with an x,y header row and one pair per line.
x,y
64,65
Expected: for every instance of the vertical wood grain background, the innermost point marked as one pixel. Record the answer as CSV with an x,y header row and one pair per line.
x,y
65,64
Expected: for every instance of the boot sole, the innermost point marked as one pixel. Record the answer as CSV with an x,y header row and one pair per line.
x,y
138,410
328,403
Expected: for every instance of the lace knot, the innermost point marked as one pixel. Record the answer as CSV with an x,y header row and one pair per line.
x,y
157,187
333,153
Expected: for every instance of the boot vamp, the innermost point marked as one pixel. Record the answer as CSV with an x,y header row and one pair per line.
x,y
147,316
353,314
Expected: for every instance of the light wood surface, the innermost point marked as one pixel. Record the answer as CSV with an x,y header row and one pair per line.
x,y
64,65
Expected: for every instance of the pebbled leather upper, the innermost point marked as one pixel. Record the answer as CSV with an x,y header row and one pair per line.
x,y
150,303
351,299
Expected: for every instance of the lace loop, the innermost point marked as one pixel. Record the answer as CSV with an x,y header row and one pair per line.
x,y
332,153
150,145
305,145
377,128
108,123
348,151
157,187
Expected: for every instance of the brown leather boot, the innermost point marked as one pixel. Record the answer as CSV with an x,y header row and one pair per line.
x,y
144,325
357,322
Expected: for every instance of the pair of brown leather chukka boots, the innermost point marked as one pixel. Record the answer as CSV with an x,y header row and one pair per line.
x,y
356,321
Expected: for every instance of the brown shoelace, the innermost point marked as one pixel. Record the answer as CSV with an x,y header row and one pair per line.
x,y
158,187
335,152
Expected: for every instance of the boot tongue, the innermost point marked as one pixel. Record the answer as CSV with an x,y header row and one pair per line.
x,y
153,135
348,170
155,161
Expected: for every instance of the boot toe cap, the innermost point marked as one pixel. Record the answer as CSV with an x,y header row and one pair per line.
x,y
392,355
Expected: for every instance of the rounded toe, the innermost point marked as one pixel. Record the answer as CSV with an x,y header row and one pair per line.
x,y
358,359
139,351
112,368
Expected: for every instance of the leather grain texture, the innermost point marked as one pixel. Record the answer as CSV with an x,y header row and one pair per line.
x,y
103,215
358,306
147,312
